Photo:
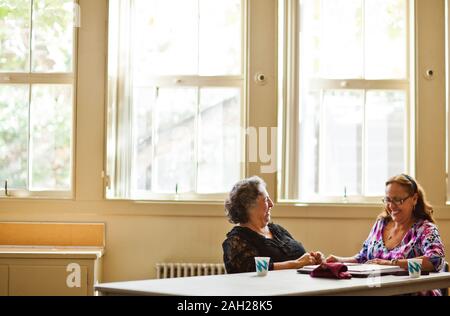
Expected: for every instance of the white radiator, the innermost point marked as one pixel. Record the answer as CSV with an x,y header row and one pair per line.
x,y
175,270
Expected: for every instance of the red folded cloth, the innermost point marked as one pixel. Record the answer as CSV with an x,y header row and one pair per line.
x,y
334,270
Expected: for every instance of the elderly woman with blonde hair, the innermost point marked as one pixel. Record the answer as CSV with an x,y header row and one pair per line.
x,y
405,229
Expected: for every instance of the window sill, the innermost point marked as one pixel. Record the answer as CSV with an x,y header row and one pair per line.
x,y
330,204
168,201
188,209
46,195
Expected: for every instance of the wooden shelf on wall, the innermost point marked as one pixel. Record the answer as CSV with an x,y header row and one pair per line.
x,y
52,234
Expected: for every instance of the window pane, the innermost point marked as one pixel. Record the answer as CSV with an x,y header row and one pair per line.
x,y
52,35
167,114
165,35
385,111
340,153
342,131
14,135
51,134
143,105
14,35
309,145
199,37
175,125
220,145
220,37
341,42
385,39
310,38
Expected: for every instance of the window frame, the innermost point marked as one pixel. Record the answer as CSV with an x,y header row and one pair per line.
x,y
118,172
447,97
29,78
289,100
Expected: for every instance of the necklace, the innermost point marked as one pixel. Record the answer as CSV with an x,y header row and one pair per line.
x,y
265,232
392,233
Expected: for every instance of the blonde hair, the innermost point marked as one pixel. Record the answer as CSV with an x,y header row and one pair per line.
x,y
423,208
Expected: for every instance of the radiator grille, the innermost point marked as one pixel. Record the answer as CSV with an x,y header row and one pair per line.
x,y
175,270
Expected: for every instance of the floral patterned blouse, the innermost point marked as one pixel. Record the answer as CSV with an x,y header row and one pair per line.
x,y
422,239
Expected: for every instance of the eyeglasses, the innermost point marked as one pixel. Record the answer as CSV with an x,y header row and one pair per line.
x,y
396,201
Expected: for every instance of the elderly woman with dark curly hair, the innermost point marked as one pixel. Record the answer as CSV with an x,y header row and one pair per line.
x,y
249,206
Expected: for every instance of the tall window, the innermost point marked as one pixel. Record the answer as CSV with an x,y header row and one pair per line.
x,y
175,82
346,103
36,96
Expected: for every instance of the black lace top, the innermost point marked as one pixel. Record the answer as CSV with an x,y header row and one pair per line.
x,y
243,245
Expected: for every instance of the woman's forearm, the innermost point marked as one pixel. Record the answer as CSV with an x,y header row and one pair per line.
x,y
347,259
290,264
426,264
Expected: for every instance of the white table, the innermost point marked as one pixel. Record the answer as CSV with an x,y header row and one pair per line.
x,y
282,282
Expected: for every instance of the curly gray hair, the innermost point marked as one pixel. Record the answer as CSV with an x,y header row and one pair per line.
x,y
242,197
